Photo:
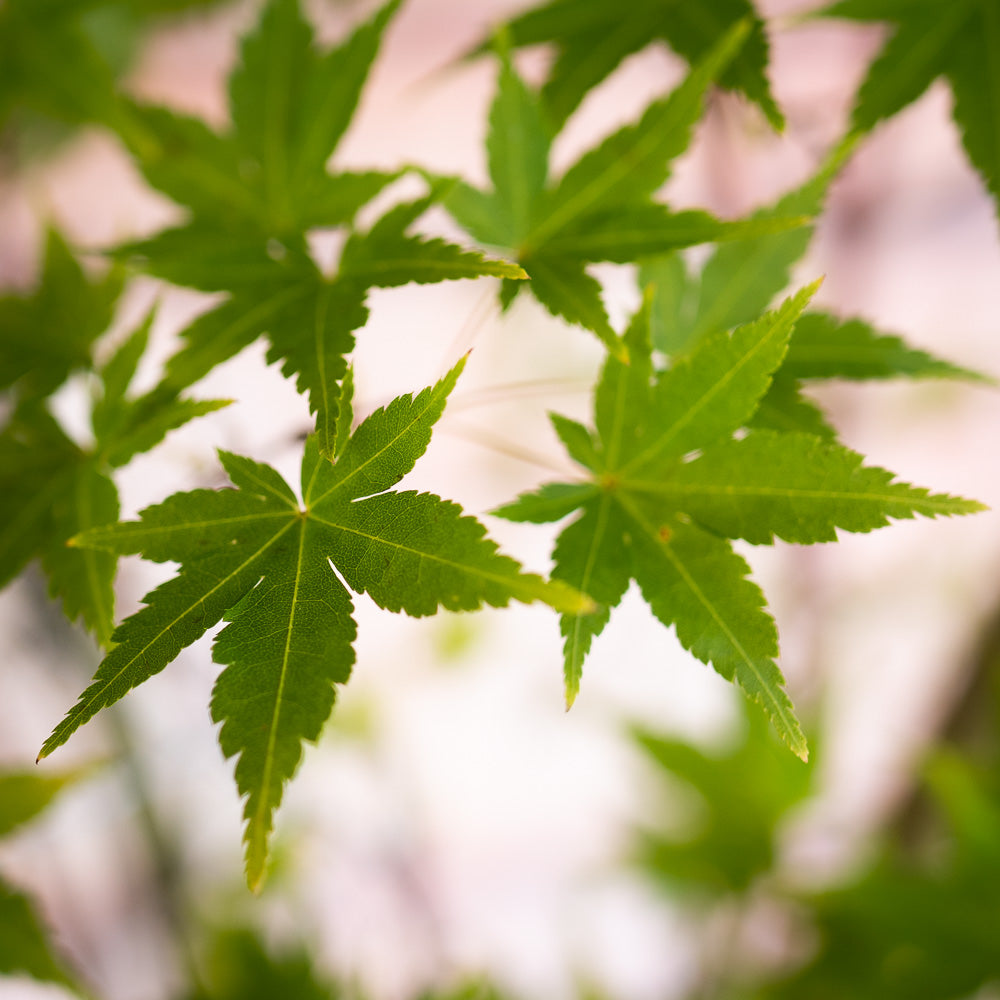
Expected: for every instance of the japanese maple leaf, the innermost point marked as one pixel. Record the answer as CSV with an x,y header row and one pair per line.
x,y
959,40
256,190
739,280
667,484
592,37
50,65
273,569
601,208
51,486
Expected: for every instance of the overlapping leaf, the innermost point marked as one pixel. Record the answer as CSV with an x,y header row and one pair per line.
x,y
50,334
601,208
743,793
25,944
51,487
254,193
668,484
290,104
916,925
740,279
959,40
50,65
592,37
253,557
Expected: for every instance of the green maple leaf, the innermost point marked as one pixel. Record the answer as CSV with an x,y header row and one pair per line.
x,y
825,347
25,946
308,318
668,485
290,106
592,37
600,209
51,487
742,792
254,557
959,40
49,334
254,192
50,65
738,280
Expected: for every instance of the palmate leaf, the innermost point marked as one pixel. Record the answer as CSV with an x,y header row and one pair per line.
x,y
309,319
48,64
290,105
958,40
25,947
601,208
741,278
254,193
51,488
824,347
591,38
50,333
742,795
668,483
251,556
257,189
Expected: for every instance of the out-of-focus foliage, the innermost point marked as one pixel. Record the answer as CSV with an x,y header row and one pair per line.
x,y
727,838
592,37
238,966
52,486
959,40
917,922
26,947
921,922
59,60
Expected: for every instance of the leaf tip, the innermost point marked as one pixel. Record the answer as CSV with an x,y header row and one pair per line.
x,y
572,687
813,287
619,351
255,871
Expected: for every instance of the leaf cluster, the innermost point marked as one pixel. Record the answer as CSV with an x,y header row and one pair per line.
x,y
602,207
703,433
668,482
51,485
